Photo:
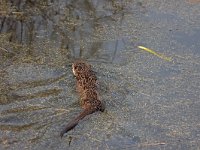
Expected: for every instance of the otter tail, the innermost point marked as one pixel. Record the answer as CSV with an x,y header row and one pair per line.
x,y
75,121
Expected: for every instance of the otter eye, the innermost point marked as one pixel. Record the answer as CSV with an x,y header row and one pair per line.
x,y
77,68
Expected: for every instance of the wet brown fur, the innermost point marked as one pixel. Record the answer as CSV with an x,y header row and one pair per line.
x,y
86,83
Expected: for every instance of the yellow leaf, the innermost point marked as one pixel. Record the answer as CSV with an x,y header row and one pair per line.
x,y
155,53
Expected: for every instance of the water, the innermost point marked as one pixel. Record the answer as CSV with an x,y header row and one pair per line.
x,y
150,103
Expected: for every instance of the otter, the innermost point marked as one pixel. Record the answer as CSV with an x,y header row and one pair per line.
x,y
86,84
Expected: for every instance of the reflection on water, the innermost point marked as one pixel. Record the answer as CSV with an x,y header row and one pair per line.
x,y
73,28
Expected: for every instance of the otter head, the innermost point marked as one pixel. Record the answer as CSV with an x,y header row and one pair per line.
x,y
80,67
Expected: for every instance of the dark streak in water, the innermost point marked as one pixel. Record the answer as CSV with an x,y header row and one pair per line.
x,y
15,127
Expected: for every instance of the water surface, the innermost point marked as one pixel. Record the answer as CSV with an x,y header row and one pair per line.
x,y
150,103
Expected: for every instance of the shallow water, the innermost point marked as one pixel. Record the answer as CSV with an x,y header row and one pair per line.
x,y
150,103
